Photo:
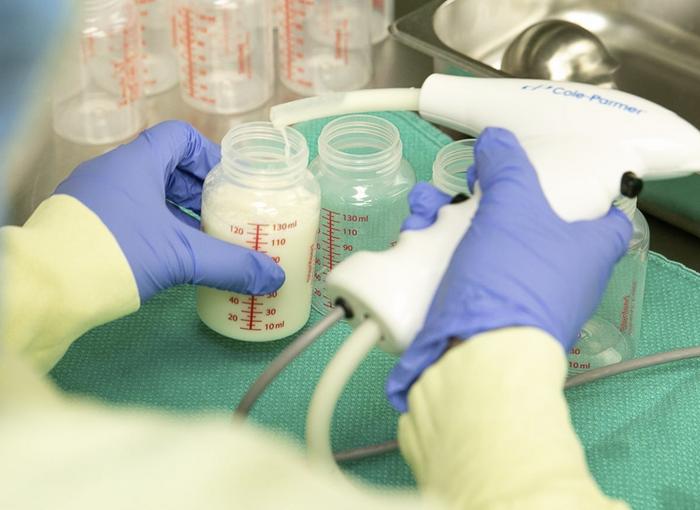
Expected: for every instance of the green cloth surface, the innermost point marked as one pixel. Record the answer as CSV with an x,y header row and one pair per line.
x,y
641,431
676,201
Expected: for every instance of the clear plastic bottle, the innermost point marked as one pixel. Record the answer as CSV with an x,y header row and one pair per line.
x,y
382,17
450,166
157,31
612,334
262,196
98,95
364,186
325,45
225,53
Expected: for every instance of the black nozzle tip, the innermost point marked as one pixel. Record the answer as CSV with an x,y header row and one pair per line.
x,y
459,198
631,185
349,314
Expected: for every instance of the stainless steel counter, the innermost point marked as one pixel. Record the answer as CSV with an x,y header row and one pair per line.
x,y
395,66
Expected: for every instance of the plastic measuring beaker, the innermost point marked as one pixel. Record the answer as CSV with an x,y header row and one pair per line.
x,y
450,166
325,45
382,17
263,197
364,186
158,34
98,93
225,54
612,334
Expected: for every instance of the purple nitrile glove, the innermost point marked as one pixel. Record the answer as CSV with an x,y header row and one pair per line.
x,y
519,264
128,188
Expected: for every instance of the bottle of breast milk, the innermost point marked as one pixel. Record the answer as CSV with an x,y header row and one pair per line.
x,y
262,196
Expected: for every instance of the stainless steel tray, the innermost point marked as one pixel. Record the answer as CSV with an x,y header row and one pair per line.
x,y
656,43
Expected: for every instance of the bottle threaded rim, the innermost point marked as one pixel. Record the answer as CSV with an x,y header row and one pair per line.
x,y
451,164
362,145
262,154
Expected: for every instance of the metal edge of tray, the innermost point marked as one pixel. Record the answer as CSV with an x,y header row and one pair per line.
x,y
413,31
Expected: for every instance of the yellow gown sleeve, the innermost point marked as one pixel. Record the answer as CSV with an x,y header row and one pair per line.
x,y
61,274
488,427
63,453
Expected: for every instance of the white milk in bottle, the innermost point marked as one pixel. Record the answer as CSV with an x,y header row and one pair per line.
x,y
263,197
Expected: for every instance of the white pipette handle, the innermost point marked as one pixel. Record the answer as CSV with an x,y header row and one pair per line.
x,y
395,287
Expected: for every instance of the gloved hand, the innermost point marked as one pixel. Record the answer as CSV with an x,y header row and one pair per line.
x,y
519,264
128,188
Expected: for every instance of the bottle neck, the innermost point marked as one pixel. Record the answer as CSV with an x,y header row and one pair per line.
x,y
259,155
451,164
360,146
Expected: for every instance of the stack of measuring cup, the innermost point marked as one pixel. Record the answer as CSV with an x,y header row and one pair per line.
x,y
221,51
225,53
98,95
120,51
325,45
225,49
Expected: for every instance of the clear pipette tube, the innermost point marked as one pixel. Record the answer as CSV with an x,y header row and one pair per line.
x,y
98,95
325,45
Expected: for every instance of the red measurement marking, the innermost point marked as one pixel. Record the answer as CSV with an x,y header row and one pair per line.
x,y
251,313
341,42
627,309
292,38
127,67
257,234
245,66
123,81
189,41
288,33
329,239
88,47
310,264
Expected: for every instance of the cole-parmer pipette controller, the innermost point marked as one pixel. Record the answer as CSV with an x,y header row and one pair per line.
x,y
588,146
